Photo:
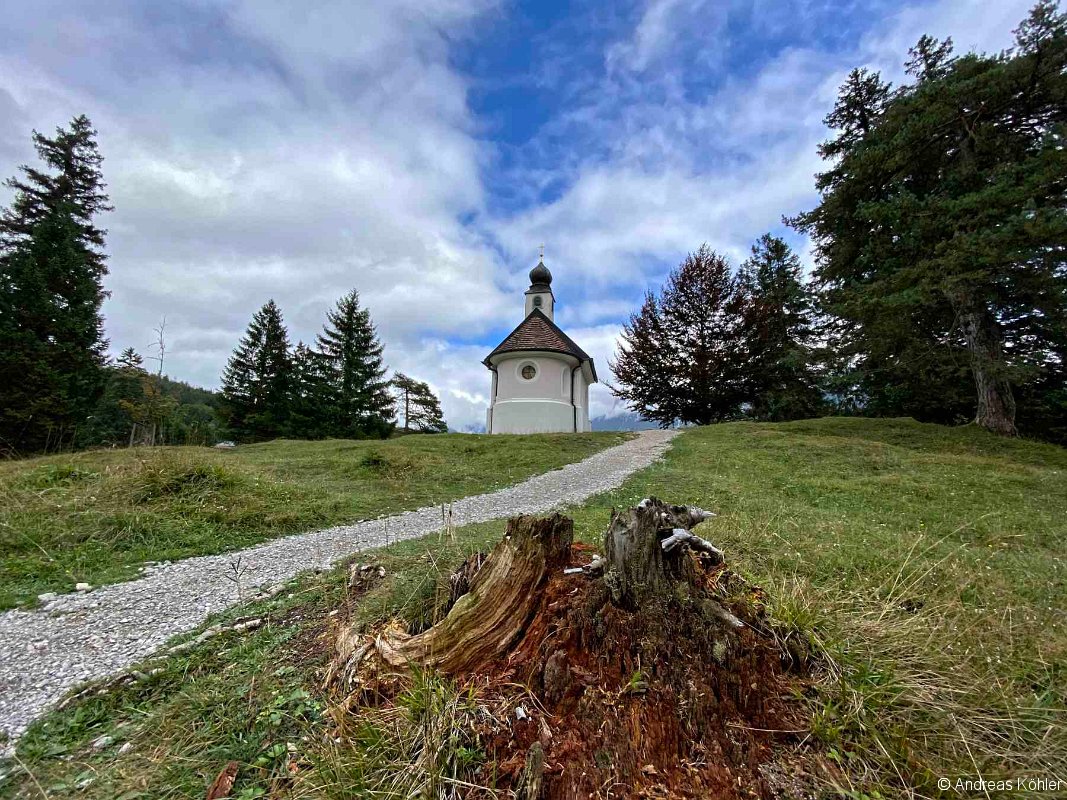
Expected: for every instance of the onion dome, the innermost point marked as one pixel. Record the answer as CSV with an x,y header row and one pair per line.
x,y
540,275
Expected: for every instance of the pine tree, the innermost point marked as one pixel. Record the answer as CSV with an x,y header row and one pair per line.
x,y
418,405
358,394
940,232
257,381
112,423
681,358
52,349
780,340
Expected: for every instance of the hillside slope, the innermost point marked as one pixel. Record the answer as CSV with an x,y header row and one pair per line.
x,y
926,566
96,516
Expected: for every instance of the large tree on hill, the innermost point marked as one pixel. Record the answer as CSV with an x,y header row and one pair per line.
x,y
418,405
941,235
51,271
681,357
52,350
257,381
783,382
358,398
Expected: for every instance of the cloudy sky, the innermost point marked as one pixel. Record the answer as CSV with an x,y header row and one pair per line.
x,y
420,151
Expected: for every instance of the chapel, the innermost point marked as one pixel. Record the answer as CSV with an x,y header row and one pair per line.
x,y
541,378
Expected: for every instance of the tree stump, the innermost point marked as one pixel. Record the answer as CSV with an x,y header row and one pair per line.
x,y
503,588
650,667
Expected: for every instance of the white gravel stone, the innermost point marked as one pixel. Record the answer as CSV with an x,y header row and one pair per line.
x,y
88,636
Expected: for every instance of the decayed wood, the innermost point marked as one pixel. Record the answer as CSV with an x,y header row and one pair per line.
x,y
637,542
502,598
495,596
223,784
459,582
680,536
635,573
532,778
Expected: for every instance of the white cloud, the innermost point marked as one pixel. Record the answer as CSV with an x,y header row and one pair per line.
x,y
262,149
269,150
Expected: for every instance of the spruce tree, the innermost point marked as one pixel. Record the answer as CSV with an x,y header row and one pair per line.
x,y
940,233
52,350
418,406
351,355
682,356
75,184
113,420
309,416
779,329
51,270
256,386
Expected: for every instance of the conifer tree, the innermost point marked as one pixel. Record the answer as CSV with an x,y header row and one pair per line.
x,y
351,356
681,358
418,406
256,383
309,416
52,349
113,422
780,341
76,184
940,233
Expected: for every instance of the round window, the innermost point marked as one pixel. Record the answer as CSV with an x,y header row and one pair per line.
x,y
529,372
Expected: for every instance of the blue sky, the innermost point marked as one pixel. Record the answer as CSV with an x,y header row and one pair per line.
x,y
421,150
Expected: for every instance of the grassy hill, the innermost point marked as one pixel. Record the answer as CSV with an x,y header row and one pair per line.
x,y
96,516
925,564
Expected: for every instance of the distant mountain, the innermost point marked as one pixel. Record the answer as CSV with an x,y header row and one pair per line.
x,y
628,421
470,427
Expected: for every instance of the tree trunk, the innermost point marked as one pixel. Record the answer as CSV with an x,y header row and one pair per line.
x,y
637,545
643,560
485,621
996,403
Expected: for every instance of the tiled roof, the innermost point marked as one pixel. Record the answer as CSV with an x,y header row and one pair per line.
x,y
538,332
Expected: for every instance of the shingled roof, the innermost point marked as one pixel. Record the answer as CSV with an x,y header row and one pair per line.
x,y
538,332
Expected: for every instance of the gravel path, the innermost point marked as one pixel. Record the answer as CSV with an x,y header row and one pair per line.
x,y
80,637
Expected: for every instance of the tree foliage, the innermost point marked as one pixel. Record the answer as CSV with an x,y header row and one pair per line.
x,y
256,383
680,357
358,401
714,346
779,347
52,348
337,389
417,405
941,235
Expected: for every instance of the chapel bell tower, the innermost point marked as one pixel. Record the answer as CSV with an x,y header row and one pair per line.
x,y
539,295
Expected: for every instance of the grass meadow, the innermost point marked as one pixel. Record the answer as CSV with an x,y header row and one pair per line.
x,y
99,515
925,564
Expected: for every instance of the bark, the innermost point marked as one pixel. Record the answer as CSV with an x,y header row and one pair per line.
x,y
996,403
503,595
638,543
